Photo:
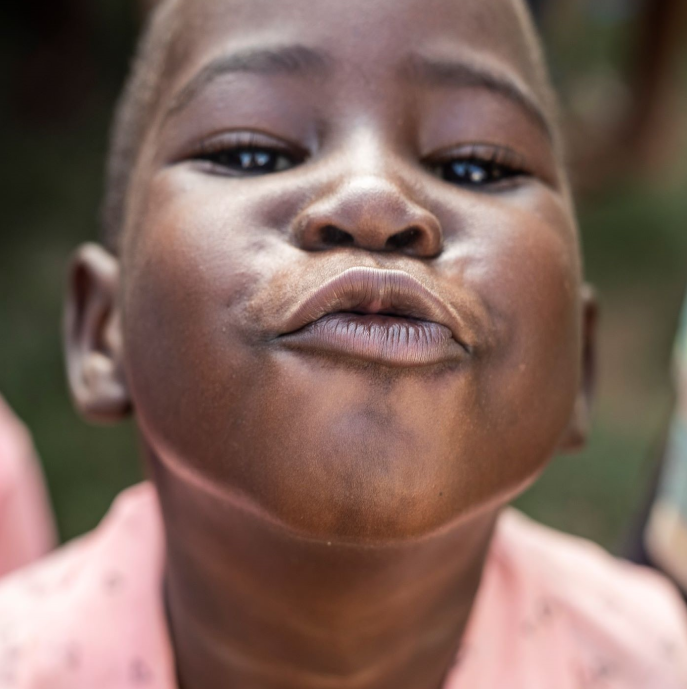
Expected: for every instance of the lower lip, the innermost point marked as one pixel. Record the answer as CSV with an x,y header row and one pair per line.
x,y
387,340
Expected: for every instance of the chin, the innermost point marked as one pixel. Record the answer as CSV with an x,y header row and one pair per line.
x,y
334,452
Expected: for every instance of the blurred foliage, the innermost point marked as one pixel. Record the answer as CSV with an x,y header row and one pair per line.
x,y
635,248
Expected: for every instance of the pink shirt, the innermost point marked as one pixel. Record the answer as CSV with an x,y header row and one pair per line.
x,y
26,525
553,612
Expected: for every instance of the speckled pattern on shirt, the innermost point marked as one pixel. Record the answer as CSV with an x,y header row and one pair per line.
x,y
553,612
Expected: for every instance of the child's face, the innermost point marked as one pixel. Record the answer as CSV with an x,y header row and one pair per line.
x,y
380,129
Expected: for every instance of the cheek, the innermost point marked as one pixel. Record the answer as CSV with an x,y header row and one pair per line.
x,y
525,264
191,267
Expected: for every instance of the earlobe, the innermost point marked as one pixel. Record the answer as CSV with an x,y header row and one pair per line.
x,y
93,338
580,424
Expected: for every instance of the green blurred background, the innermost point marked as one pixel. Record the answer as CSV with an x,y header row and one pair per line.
x,y
64,63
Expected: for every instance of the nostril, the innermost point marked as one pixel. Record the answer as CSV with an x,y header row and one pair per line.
x,y
334,236
404,240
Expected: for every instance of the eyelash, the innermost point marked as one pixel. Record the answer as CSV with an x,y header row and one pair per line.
x,y
481,166
249,154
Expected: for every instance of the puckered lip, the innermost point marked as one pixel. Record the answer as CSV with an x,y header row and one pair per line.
x,y
370,291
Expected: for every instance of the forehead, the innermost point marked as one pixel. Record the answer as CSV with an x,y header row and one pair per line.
x,y
367,36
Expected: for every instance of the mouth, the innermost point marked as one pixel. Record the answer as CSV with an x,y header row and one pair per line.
x,y
379,316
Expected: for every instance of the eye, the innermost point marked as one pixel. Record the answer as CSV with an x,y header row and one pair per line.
x,y
247,155
249,161
480,167
476,172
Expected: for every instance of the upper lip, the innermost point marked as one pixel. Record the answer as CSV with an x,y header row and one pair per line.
x,y
374,291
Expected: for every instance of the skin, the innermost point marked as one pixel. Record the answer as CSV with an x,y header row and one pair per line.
x,y
328,516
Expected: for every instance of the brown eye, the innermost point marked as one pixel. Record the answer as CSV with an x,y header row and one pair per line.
x,y
472,172
249,160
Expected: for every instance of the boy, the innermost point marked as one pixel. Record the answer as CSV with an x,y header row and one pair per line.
x,y
342,295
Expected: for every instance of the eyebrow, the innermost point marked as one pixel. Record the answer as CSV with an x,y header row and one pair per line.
x,y
299,60
286,60
461,74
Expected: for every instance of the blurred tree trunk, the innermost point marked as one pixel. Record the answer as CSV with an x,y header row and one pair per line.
x,y
644,105
653,123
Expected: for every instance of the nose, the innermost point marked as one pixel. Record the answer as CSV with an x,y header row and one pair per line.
x,y
371,213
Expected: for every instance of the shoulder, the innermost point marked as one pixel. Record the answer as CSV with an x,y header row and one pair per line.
x,y
16,451
91,613
26,523
627,618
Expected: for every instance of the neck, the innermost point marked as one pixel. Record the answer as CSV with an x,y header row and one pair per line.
x,y
252,605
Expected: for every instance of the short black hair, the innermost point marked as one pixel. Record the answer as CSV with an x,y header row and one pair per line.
x,y
132,117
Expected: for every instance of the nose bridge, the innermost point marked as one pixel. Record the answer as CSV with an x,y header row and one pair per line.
x,y
371,187
370,206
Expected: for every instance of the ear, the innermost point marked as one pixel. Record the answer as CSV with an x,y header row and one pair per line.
x,y
93,337
578,430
